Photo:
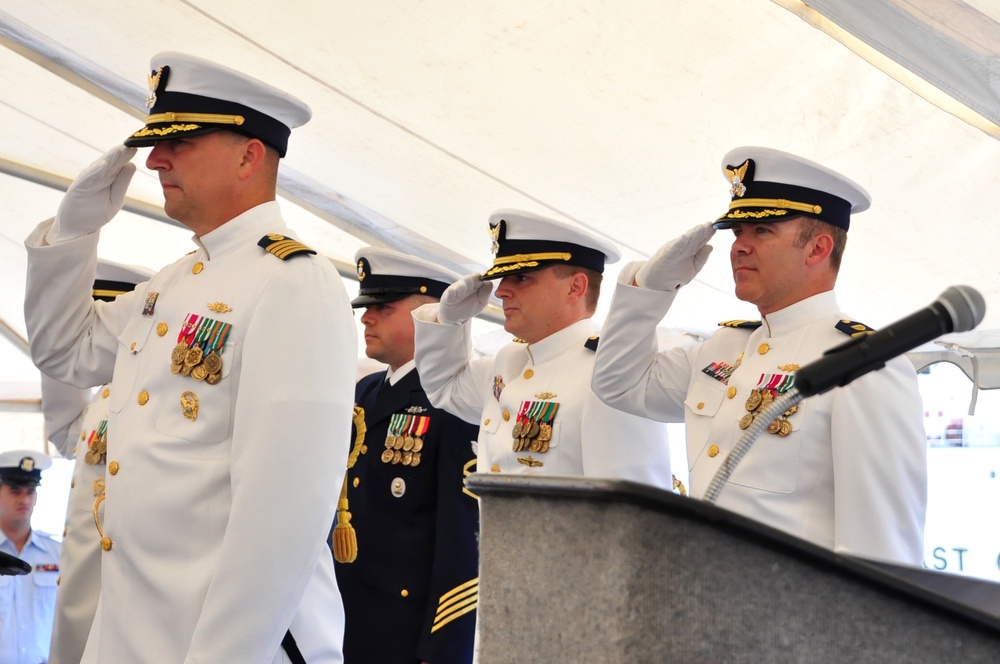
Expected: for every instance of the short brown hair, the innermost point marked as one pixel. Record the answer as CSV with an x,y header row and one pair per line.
x,y
811,226
594,279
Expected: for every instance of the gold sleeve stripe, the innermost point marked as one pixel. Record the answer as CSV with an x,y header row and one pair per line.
x,y
459,589
466,471
456,603
459,611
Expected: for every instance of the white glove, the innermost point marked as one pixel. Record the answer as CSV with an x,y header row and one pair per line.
x,y
96,195
677,262
464,299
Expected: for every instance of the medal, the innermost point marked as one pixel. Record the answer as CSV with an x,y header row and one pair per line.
x,y
199,372
786,428
193,356
177,354
746,421
416,460
212,362
213,378
754,400
775,426
386,456
423,423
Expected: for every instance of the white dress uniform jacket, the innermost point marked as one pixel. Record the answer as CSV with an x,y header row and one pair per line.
x,y
215,524
588,437
852,474
80,559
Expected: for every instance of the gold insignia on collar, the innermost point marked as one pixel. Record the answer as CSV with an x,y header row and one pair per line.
x,y
219,307
545,395
736,176
788,367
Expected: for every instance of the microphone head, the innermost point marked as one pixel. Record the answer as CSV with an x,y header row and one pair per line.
x,y
965,305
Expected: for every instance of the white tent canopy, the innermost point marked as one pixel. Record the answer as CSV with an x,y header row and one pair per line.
x,y
610,114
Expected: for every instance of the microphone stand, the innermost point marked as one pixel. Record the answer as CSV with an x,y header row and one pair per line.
x,y
760,423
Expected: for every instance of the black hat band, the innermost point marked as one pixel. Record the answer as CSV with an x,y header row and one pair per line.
x,y
772,201
207,114
525,255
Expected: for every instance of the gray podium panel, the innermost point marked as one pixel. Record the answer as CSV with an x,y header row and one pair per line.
x,y
582,570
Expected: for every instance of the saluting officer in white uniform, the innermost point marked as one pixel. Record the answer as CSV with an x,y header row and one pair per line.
x,y
846,469
232,373
76,422
536,411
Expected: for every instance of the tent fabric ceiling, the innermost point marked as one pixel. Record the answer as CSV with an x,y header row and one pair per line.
x,y
610,114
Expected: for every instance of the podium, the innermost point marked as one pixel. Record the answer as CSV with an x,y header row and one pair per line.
x,y
587,570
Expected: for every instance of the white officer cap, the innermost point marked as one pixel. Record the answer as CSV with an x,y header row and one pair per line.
x,y
189,96
385,275
770,185
525,241
113,279
23,467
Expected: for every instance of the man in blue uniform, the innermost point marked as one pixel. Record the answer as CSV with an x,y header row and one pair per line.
x,y
27,603
405,541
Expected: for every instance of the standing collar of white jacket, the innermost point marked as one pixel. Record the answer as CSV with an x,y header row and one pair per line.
x,y
254,223
801,313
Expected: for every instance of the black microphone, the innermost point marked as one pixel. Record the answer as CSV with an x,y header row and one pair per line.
x,y
959,309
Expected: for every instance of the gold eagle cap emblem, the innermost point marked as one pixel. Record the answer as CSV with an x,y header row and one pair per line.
x,y
736,176
495,237
361,270
153,81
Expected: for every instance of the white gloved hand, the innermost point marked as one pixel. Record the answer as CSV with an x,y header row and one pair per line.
x,y
677,262
464,299
96,195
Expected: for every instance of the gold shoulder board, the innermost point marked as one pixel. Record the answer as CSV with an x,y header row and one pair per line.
x,y
283,247
853,328
742,324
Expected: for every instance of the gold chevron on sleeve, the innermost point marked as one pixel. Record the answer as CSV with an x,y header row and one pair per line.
x,y
456,603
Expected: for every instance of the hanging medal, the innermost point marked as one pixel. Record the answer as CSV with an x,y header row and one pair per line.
x,y
216,345
519,425
184,340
